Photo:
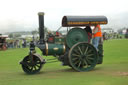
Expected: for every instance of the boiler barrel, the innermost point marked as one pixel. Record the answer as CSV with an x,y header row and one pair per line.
x,y
54,49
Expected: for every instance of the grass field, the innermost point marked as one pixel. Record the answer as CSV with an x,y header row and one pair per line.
x,y
113,71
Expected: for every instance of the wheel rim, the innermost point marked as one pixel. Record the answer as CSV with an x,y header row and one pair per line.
x,y
83,57
31,67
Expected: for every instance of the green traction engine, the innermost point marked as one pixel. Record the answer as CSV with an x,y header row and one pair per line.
x,y
74,49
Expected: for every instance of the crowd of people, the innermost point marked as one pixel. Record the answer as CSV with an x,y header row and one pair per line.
x,y
107,36
17,43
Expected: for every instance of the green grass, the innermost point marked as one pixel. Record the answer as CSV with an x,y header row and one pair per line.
x,y
113,71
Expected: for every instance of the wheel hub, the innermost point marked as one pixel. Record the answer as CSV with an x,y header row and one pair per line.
x,y
83,56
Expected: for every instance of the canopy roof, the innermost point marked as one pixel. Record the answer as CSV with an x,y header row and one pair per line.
x,y
71,21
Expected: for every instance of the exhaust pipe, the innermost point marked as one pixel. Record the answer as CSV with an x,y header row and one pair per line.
x,y
41,27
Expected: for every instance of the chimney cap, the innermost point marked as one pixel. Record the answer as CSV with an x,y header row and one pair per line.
x,y
41,13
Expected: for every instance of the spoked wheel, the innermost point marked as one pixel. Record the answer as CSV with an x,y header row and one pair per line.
x,y
32,65
83,56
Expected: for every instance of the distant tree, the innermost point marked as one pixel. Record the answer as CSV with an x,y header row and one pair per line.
x,y
119,31
46,29
17,35
34,32
11,35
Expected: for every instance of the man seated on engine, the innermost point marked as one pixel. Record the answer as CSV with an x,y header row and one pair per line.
x,y
89,31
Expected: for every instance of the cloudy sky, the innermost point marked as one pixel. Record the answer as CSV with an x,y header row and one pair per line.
x,y
21,15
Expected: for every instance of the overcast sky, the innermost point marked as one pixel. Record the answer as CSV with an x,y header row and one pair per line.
x,y
21,15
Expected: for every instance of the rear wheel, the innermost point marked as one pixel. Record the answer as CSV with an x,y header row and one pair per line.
x,y
83,56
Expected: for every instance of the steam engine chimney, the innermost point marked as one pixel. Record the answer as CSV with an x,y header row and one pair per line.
x,y
41,27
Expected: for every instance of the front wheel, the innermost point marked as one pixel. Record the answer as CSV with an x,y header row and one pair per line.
x,y
83,56
32,64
